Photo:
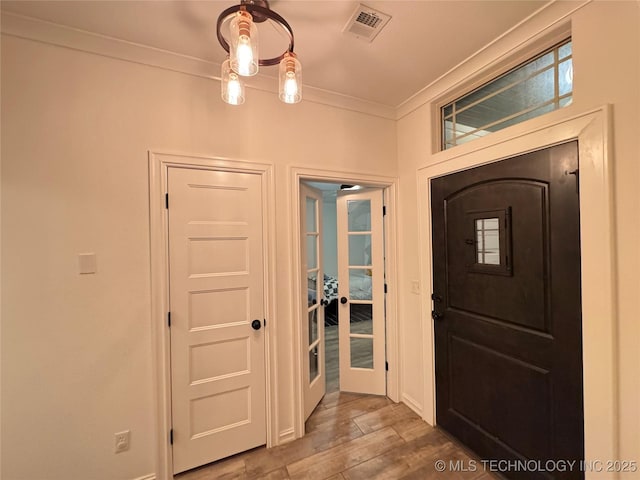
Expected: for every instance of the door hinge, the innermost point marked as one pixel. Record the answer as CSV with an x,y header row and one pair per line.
x,y
171,436
386,366
385,288
166,200
169,319
384,210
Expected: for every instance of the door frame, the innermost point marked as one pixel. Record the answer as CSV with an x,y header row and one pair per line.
x,y
592,130
159,163
389,185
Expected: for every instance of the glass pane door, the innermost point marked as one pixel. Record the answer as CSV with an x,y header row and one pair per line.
x,y
360,277
313,288
361,291
314,285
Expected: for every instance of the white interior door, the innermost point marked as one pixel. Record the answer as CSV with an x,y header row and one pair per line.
x,y
217,311
312,315
361,311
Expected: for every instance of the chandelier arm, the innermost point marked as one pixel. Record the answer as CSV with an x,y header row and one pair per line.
x,y
266,12
221,18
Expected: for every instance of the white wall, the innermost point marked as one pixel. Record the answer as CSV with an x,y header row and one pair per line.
x,y
76,128
606,45
607,70
76,350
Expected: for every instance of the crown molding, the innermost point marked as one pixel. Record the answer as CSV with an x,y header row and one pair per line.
x,y
34,29
528,32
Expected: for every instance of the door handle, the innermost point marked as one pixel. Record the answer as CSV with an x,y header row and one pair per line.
x,y
436,315
256,324
324,302
343,300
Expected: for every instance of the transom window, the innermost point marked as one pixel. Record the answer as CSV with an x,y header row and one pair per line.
x,y
541,85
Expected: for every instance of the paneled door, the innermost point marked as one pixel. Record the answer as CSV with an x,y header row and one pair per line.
x,y
361,311
507,310
217,314
313,362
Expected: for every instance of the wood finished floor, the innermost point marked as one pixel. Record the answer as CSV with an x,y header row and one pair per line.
x,y
350,437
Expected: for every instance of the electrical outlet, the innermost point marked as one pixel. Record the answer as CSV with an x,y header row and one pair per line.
x,y
122,441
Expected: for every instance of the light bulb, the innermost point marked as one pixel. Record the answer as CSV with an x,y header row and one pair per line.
x,y
290,88
245,55
234,90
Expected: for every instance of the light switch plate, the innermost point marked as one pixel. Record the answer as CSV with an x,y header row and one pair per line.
x,y
87,263
122,440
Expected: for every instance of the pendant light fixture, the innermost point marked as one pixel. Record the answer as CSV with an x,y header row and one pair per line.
x,y
232,85
244,59
290,79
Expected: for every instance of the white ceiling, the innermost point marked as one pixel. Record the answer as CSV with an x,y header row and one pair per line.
x,y
423,40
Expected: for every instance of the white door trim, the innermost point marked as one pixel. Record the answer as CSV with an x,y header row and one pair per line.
x,y
390,186
158,167
592,130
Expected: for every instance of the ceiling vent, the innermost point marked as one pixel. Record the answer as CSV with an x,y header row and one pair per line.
x,y
366,23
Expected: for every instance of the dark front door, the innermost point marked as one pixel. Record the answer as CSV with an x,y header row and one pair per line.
x,y
507,315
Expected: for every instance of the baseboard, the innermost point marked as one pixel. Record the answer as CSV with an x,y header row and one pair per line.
x,y
286,436
412,404
150,476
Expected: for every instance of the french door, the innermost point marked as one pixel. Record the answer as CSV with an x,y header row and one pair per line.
x,y
361,311
313,362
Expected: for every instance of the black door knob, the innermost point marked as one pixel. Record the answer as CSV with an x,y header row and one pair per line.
x,y
256,324
324,302
343,300
436,316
